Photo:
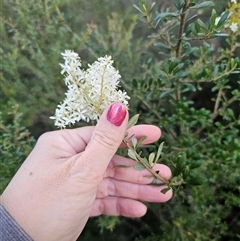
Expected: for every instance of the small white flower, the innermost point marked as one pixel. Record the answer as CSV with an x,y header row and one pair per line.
x,y
234,27
234,1
89,91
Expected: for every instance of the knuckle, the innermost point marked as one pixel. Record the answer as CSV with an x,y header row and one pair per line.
x,y
45,137
49,138
105,138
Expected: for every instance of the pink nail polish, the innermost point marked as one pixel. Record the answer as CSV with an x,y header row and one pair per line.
x,y
116,114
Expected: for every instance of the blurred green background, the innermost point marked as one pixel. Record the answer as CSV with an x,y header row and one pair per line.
x,y
33,35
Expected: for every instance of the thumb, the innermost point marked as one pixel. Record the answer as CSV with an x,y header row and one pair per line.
x,y
106,138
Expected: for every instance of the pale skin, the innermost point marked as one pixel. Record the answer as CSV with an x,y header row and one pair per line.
x,y
71,175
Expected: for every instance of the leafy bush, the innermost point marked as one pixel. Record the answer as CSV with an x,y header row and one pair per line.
x,y
181,70
16,143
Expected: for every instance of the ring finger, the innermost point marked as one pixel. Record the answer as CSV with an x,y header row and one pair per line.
x,y
147,193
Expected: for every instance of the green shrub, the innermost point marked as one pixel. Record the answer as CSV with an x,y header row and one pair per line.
x,y
181,69
16,143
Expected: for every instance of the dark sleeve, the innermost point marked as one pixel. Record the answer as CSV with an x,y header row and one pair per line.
x,y
9,229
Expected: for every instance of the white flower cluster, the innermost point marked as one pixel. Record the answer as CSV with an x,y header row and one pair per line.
x,y
89,91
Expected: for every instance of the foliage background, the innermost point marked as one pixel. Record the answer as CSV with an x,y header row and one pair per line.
x,y
196,103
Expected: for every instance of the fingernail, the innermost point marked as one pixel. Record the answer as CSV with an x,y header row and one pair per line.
x,y
116,114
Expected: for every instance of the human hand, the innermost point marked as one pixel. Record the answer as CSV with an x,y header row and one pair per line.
x,y
70,176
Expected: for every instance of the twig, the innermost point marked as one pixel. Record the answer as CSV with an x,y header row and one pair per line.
x,y
7,23
222,109
181,28
217,103
158,32
154,173
46,9
234,98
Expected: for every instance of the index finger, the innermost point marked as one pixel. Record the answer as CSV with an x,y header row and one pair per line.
x,y
79,138
151,132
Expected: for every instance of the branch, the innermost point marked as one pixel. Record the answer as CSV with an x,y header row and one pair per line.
x,y
222,109
7,23
234,98
217,103
154,173
181,28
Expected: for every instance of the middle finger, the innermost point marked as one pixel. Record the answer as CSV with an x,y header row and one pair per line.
x,y
122,168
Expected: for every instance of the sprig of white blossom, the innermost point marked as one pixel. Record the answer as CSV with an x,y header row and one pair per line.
x,y
89,91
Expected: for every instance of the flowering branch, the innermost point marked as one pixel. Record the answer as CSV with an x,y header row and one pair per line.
x,y
89,91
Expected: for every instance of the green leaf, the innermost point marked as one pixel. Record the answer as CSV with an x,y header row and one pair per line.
x,y
161,16
162,45
151,158
165,190
152,7
195,180
195,164
233,63
220,35
185,173
134,142
154,181
178,4
172,65
165,93
135,6
191,18
197,27
191,29
139,167
178,68
145,161
134,83
205,4
191,4
188,87
236,72
132,155
180,163
142,2
202,24
223,19
133,121
212,20
230,113
141,140
159,152
121,166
